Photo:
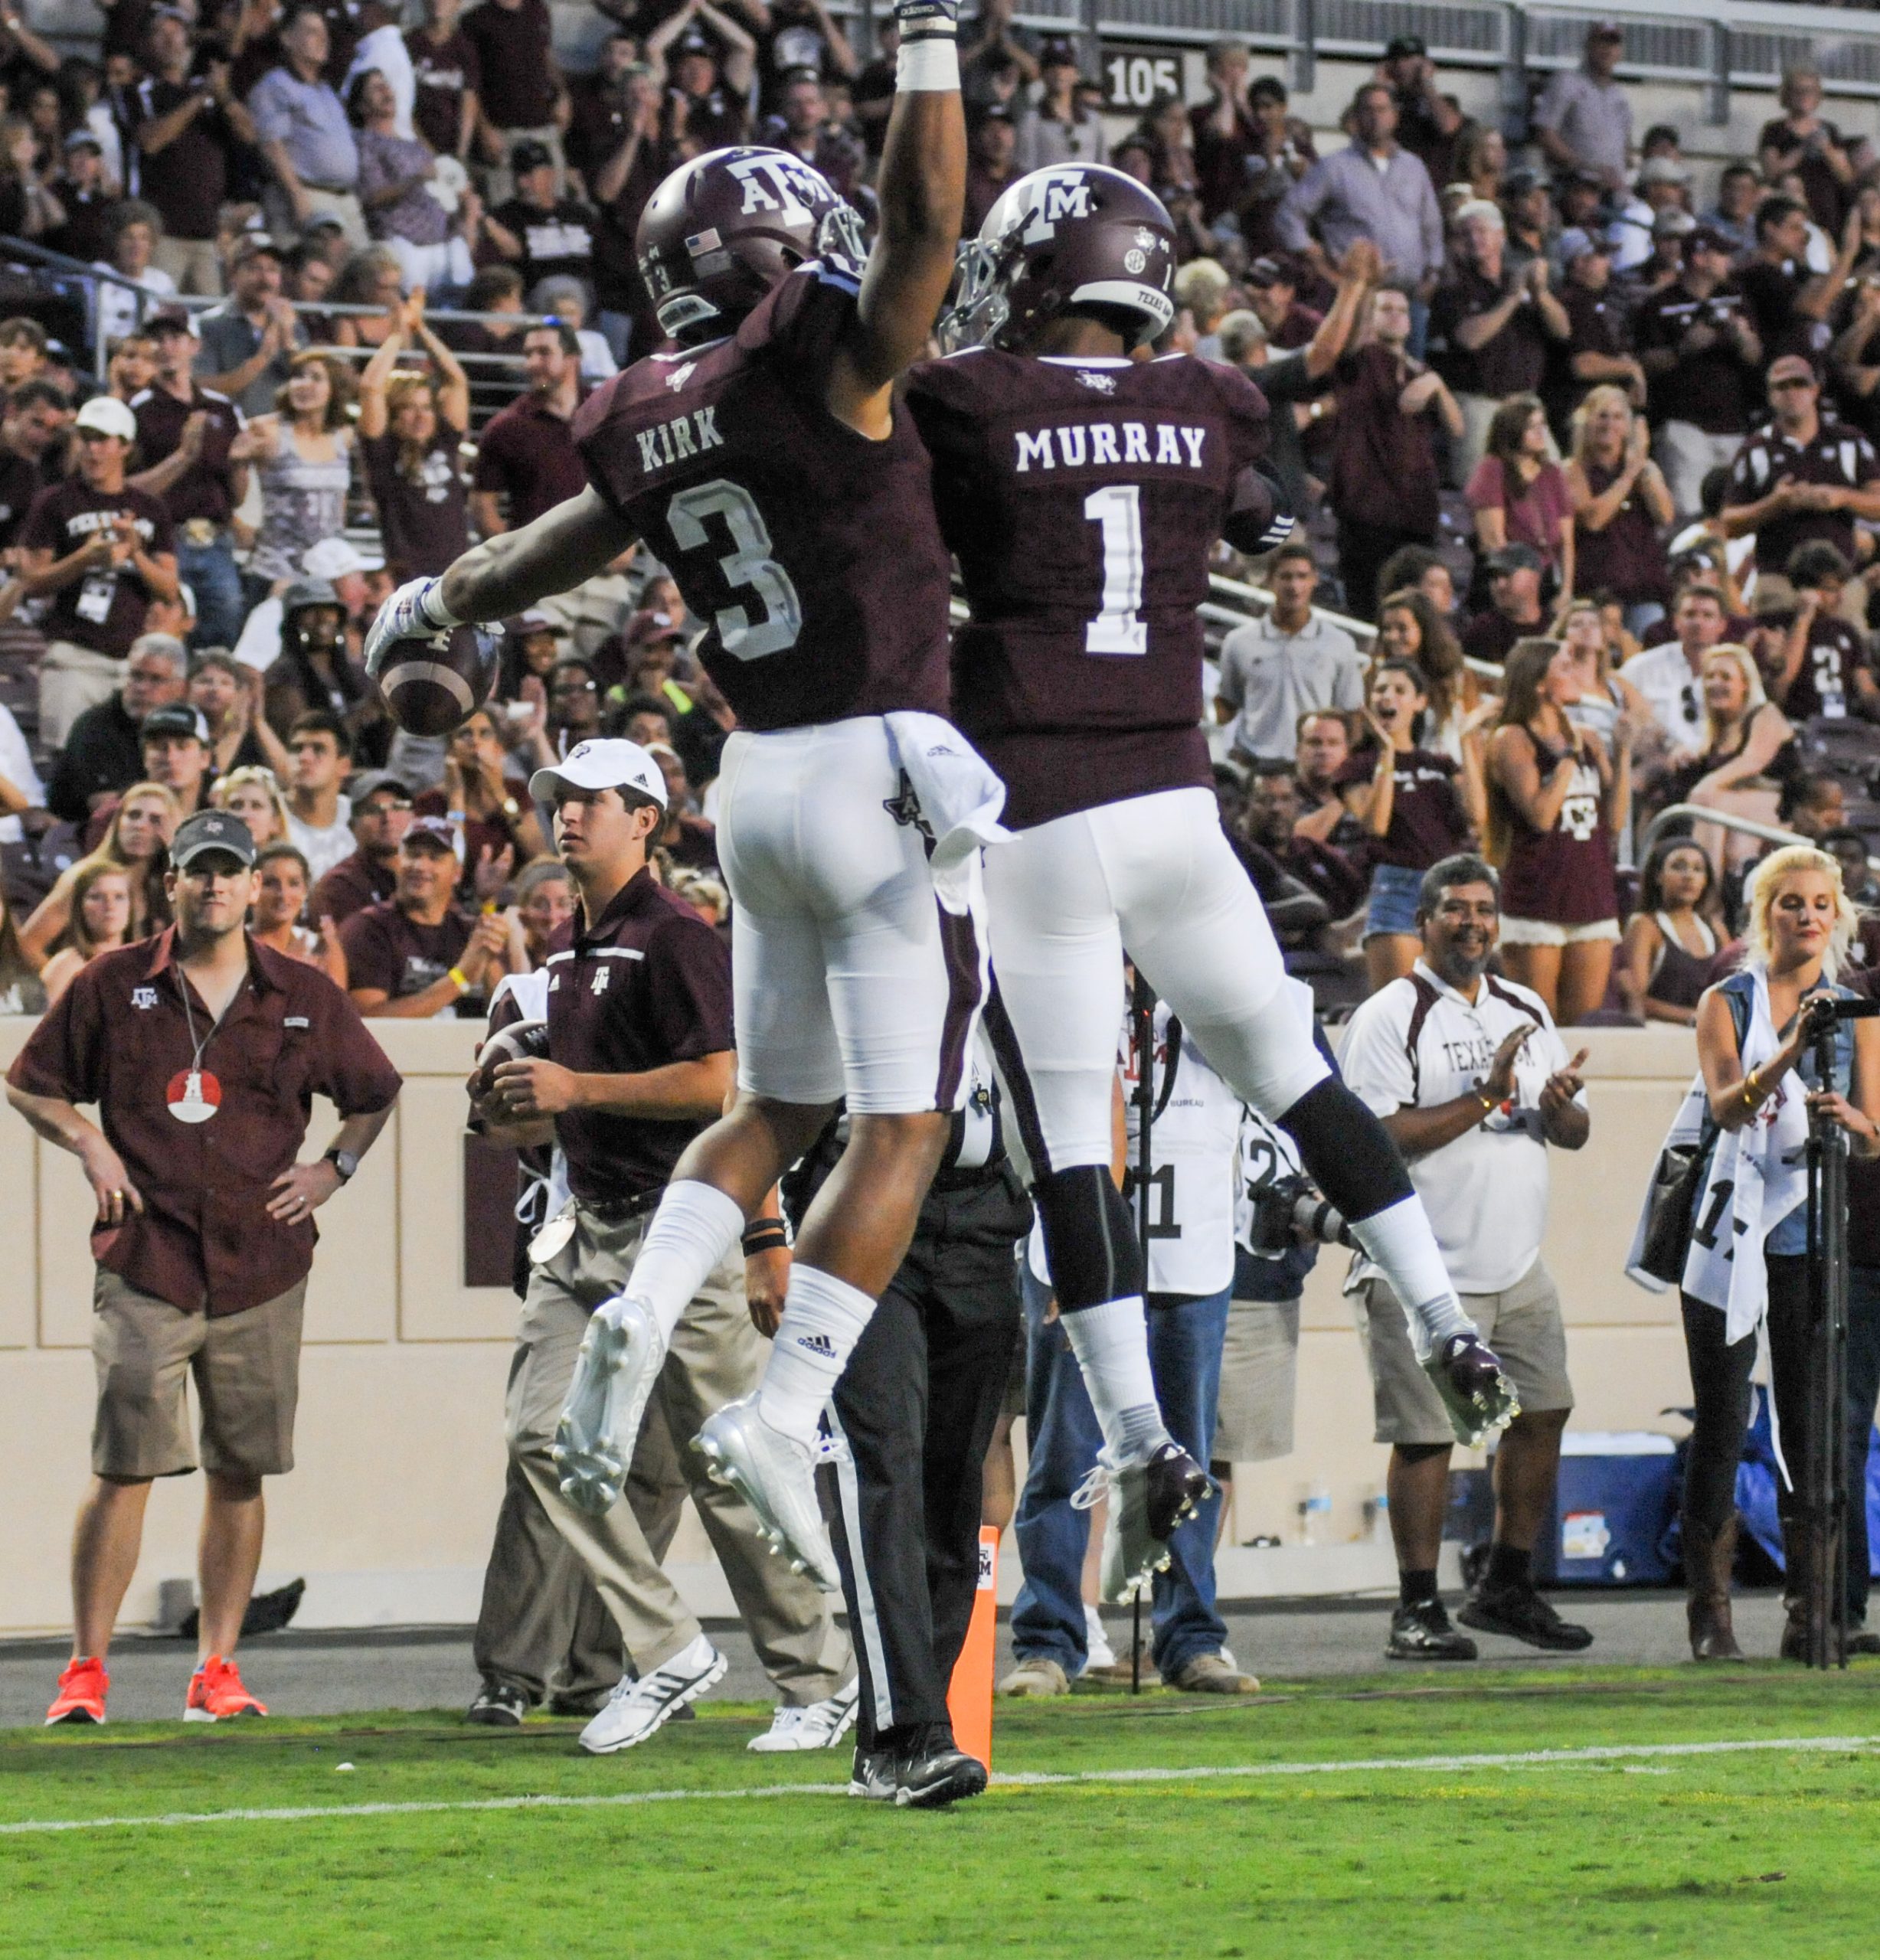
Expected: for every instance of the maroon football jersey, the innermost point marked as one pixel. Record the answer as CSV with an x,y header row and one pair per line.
x,y
812,550
1081,497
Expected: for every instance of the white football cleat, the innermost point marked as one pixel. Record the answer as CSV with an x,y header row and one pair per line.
x,y
636,1709
775,1474
606,1402
821,1725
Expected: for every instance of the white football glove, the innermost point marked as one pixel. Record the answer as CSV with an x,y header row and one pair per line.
x,y
415,612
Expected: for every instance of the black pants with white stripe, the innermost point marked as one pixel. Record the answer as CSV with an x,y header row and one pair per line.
x,y
917,1404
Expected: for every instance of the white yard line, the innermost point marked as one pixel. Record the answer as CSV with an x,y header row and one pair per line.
x,y
1030,1780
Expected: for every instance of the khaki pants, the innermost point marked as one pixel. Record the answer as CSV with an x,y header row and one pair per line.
x,y
71,679
716,1356
192,262
283,226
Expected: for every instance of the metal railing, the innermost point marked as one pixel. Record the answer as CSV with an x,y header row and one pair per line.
x,y
1696,813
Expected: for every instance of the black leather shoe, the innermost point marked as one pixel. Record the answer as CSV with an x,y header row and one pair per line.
x,y
1521,1613
933,1772
499,1706
1422,1632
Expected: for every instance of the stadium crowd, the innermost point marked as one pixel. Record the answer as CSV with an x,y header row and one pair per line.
x,y
1582,452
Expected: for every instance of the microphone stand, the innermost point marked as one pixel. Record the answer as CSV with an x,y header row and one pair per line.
x,y
1824,1459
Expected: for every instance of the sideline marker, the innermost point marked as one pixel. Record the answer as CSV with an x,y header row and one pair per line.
x,y
970,1693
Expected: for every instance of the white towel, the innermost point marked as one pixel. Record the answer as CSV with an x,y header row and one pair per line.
x,y
1756,1176
960,799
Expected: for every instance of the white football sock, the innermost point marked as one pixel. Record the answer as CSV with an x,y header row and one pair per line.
x,y
823,1318
1111,1343
695,1226
1398,1241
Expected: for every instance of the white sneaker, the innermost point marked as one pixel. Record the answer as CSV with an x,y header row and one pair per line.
x,y
776,1476
636,1709
606,1402
1098,1651
821,1725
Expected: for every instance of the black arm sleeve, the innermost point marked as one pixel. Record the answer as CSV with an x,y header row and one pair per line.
x,y
1259,517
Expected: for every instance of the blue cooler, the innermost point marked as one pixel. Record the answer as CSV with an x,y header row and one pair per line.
x,y
1617,1491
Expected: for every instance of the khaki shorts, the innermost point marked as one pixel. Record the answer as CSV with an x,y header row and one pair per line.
x,y
246,1367
1522,1324
1259,1374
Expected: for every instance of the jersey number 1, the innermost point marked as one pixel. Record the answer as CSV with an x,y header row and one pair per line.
x,y
1118,628
748,563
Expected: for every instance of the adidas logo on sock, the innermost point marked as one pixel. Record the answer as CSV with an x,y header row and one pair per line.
x,y
819,1344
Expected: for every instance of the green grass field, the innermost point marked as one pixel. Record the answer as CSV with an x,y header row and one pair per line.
x,y
1163,1826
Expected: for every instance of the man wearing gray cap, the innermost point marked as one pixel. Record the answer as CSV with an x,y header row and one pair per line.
x,y
203,1051
638,1060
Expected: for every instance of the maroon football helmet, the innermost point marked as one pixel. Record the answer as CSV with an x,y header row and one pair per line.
x,y
722,229
1075,235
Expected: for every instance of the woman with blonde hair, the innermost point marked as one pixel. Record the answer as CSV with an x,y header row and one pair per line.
x,y
302,455
1605,693
1747,1264
1557,802
254,795
1620,504
101,913
1749,756
22,988
137,841
410,427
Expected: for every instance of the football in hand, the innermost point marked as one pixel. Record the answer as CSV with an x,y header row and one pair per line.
x,y
520,1041
435,683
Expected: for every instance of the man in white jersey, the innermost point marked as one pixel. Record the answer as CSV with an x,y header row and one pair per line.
x,y
1471,1078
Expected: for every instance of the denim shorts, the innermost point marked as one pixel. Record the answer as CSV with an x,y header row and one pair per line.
x,y
1393,907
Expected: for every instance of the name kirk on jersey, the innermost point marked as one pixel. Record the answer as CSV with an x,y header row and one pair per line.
x,y
688,434
1078,444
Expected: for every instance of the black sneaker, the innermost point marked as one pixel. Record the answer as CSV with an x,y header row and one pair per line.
x,y
1422,1632
874,1774
1520,1612
498,1706
581,1703
933,1772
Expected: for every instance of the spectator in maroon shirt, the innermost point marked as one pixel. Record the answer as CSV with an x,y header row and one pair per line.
x,y
1226,134
1787,303
205,1232
994,168
1272,295
410,428
448,74
416,957
1305,884
1514,610
1429,124
1826,668
1621,504
522,98
528,454
1800,141
1385,487
615,143
382,814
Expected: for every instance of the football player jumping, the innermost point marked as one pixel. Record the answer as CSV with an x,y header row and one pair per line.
x,y
761,457
1082,490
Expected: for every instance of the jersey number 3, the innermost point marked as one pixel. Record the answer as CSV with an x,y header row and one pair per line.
x,y
1118,628
748,564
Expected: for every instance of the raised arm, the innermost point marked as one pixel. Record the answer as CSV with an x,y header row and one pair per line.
x,y
1360,268
922,191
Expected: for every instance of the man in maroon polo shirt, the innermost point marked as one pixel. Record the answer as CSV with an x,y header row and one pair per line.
x,y
639,1061
382,814
417,956
1800,479
203,1052
528,452
184,432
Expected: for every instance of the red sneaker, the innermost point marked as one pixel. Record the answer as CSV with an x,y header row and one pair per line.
x,y
82,1689
216,1693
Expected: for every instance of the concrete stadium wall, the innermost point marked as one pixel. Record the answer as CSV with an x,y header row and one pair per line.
x,y
388,1513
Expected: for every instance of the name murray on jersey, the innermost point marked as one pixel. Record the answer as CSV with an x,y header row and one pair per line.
x,y
1082,445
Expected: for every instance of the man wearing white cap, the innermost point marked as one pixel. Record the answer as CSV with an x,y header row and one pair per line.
x,y
638,1060
102,551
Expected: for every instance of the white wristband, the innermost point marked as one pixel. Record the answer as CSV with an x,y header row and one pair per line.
x,y
432,609
930,63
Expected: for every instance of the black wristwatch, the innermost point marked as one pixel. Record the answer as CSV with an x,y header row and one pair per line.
x,y
345,1162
